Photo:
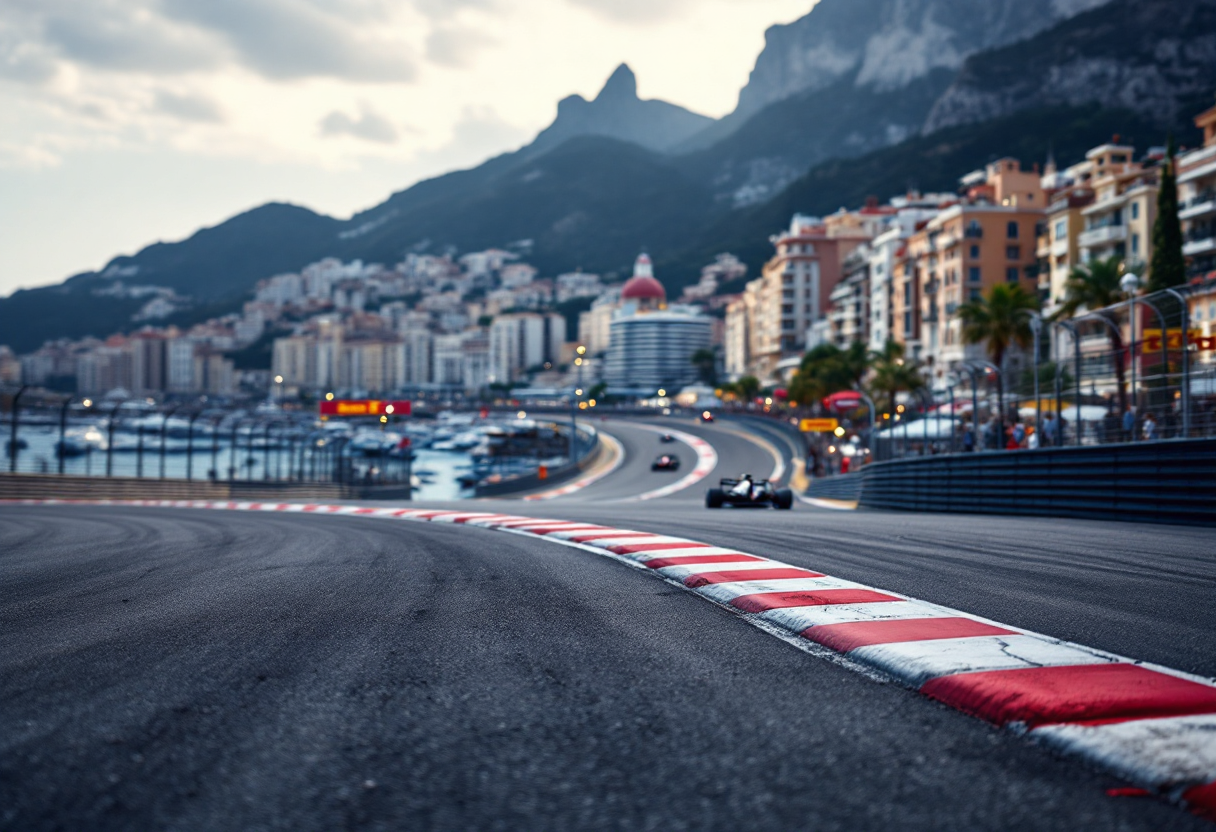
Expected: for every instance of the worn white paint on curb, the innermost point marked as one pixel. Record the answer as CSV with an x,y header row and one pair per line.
x,y
579,485
1151,725
707,461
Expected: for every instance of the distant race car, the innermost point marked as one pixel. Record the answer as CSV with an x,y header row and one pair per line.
x,y
667,437
666,462
747,493
706,416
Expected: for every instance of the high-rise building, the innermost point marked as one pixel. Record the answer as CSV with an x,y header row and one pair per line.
x,y
651,345
1197,200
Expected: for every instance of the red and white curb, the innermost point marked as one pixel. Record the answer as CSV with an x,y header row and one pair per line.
x,y
1151,725
707,461
578,485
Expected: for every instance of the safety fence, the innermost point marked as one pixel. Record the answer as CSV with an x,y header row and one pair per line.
x,y
1171,481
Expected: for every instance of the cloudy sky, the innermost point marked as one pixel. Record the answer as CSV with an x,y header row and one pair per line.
x,y
123,122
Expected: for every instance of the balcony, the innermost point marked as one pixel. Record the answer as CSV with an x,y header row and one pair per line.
x,y
1060,247
932,286
1200,205
974,233
1198,241
1101,235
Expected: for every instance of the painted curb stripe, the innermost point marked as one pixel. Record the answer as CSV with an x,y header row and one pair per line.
x,y
1086,694
845,637
1153,726
695,560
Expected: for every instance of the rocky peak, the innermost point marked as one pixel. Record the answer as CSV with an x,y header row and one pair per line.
x,y
617,112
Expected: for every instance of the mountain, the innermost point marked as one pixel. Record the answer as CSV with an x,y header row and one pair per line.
x,y
1156,58
618,113
880,46
607,178
931,163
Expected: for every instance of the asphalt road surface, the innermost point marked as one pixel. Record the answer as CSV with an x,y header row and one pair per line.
x,y
179,669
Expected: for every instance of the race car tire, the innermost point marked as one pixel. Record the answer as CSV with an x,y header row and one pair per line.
x,y
713,498
784,499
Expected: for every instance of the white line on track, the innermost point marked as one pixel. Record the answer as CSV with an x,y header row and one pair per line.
x,y
707,461
574,487
1152,725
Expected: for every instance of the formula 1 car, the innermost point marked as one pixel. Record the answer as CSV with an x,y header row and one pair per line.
x,y
706,416
667,437
666,462
748,493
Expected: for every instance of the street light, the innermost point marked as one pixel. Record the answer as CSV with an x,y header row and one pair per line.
x,y
1129,284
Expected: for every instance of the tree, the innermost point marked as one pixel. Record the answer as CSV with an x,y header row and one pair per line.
x,y
893,375
1095,286
1001,320
1168,267
748,388
827,369
706,362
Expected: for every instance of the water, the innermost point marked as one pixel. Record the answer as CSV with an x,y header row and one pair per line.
x,y
40,457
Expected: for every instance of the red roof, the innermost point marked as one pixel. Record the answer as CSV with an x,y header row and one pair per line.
x,y
643,288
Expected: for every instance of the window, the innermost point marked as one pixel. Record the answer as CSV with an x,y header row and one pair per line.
x,y
975,252
973,274
907,323
1135,210
1212,311
908,293
1011,230
975,294
1061,229
1013,252
1011,274
1118,158
1135,243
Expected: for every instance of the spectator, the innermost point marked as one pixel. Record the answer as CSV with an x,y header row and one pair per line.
x,y
1110,426
1051,430
968,438
1129,425
1019,433
1150,427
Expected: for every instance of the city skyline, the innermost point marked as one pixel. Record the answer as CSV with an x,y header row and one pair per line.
x,y
132,125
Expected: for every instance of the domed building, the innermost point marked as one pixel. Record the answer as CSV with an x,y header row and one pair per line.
x,y
642,291
651,346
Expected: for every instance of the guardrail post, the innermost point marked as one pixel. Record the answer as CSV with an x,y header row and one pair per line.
x,y
12,441
63,432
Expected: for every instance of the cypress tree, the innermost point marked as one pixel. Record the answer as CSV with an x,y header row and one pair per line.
x,y
1168,267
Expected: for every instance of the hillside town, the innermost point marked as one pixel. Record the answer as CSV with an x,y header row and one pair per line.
x,y
484,323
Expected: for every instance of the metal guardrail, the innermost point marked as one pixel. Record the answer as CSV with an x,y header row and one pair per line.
x,y
1155,482
56,487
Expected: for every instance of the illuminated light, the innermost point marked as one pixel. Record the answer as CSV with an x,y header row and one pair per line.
x,y
662,394
329,397
768,401
831,449
87,402
383,420
592,402
899,361
523,414
582,405
278,379
389,409
900,409
886,415
578,392
581,350
839,431
793,404
578,362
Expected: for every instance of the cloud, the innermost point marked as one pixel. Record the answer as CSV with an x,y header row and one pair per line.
x,y
455,46
111,36
287,39
188,107
632,11
369,126
444,9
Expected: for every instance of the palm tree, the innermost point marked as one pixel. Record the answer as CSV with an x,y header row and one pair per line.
x,y
1093,287
827,369
892,374
1001,320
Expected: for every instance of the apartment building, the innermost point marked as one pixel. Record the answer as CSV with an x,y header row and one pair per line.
x,y
1119,221
848,315
1058,247
521,341
1197,200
